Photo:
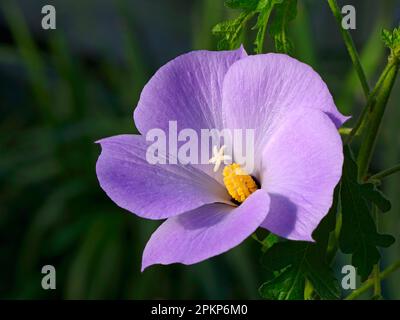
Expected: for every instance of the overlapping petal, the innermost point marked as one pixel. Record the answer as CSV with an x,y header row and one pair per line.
x,y
153,191
188,90
205,232
260,91
301,165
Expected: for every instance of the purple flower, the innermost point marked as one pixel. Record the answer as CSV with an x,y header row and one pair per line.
x,y
298,154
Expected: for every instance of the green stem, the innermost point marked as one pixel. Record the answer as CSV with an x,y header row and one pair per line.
x,y
385,173
377,282
350,47
376,269
333,243
370,282
254,236
362,119
345,131
374,117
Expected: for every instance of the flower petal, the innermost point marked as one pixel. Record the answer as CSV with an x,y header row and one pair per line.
x,y
153,191
187,90
260,91
301,165
205,232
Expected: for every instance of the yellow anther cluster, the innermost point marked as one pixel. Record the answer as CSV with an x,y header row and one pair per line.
x,y
238,183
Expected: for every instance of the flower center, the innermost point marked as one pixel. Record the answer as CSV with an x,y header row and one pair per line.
x,y
239,184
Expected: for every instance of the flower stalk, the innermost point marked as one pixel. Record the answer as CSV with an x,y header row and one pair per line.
x,y
370,282
361,121
376,268
385,173
350,47
375,114
368,125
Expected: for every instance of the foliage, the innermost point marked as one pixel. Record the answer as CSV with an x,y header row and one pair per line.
x,y
293,263
359,234
285,12
300,270
391,39
230,32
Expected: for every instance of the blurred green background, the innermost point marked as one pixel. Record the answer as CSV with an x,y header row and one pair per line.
x,y
61,90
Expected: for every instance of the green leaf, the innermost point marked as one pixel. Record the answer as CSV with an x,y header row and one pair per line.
x,y
264,9
386,36
321,276
269,241
359,235
288,285
373,194
391,39
297,262
293,263
230,32
284,13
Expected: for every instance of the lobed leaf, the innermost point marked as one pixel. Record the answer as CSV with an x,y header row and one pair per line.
x,y
285,12
359,235
230,31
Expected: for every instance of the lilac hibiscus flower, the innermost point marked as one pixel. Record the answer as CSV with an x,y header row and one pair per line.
x,y
298,154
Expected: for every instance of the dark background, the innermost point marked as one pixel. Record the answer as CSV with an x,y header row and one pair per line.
x,y
61,90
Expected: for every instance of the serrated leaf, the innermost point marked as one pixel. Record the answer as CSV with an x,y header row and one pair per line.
x,y
230,31
359,235
294,262
391,39
264,9
284,13
386,36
